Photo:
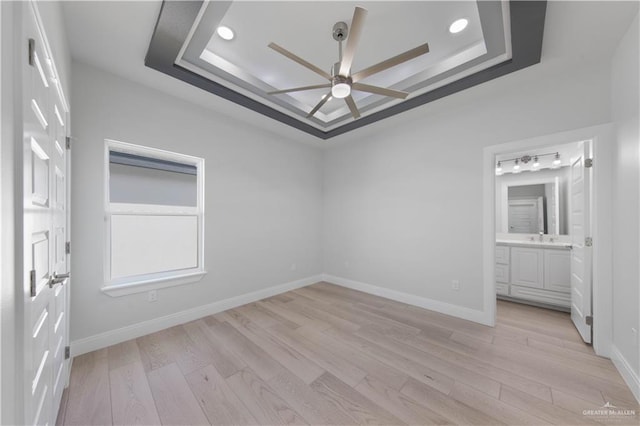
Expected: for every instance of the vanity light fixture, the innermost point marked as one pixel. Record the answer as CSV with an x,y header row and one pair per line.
x,y
225,33
516,166
458,26
536,163
521,164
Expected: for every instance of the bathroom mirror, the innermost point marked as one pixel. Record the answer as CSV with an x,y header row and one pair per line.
x,y
533,204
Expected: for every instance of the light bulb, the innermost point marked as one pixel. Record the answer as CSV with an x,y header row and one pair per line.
x,y
458,26
557,161
536,163
225,33
516,167
499,168
340,90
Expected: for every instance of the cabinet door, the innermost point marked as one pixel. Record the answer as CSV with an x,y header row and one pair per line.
x,y
502,255
502,273
557,270
527,267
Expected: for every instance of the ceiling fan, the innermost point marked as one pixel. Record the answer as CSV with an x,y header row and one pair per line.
x,y
341,80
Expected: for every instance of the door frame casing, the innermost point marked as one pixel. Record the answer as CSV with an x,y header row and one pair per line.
x,y
602,137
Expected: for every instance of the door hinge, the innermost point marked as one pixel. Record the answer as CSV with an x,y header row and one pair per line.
x,y
588,162
68,142
32,282
588,242
67,247
32,50
589,320
67,352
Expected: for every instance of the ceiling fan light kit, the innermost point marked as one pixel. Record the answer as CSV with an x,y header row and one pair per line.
x,y
342,82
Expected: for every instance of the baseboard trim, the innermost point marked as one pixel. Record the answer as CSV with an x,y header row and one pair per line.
x,y
112,337
630,377
410,299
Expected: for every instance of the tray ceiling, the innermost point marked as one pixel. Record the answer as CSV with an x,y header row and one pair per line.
x,y
185,45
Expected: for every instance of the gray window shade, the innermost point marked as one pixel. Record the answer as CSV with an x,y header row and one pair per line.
x,y
136,179
150,163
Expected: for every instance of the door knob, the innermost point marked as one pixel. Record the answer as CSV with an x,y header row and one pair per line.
x,y
57,279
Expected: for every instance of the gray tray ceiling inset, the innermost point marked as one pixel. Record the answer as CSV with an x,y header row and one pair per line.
x,y
500,39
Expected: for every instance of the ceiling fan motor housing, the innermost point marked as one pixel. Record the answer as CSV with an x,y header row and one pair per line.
x,y
340,31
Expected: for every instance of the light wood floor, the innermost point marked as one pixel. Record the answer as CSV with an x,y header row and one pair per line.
x,y
327,355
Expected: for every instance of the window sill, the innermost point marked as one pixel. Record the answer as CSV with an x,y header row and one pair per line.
x,y
145,284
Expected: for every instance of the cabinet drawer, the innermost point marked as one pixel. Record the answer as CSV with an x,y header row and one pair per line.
x,y
502,289
543,296
502,273
502,255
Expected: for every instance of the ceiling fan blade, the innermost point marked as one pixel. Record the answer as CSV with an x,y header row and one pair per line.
x,y
379,90
300,89
352,106
357,24
323,101
299,60
391,62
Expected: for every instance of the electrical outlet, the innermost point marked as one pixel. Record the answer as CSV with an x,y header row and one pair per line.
x,y
153,296
294,266
455,285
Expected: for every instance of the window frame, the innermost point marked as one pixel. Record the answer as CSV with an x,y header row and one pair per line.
x,y
145,282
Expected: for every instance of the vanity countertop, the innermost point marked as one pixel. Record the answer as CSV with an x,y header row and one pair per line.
x,y
535,243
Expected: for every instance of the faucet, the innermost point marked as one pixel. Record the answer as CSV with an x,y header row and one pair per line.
x,y
541,236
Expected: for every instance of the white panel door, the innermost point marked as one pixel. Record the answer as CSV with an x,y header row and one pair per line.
x,y
581,252
45,227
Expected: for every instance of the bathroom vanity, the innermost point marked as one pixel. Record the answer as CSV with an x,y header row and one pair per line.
x,y
534,271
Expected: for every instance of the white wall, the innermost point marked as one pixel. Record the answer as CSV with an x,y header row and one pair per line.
x,y
262,205
403,200
626,233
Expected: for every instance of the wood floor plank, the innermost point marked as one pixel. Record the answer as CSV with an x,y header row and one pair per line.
x,y
122,354
311,405
543,409
288,357
349,400
298,318
445,350
398,404
254,356
264,404
372,366
224,361
89,395
455,372
131,399
336,364
175,401
183,350
219,403
153,351
418,371
63,407
494,407
450,408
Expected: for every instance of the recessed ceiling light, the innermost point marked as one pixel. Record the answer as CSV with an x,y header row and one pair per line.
x,y
458,26
225,33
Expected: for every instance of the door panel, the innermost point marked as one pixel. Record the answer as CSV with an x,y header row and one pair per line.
x,y
580,252
45,230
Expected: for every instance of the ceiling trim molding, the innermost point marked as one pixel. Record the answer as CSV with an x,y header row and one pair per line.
x,y
177,17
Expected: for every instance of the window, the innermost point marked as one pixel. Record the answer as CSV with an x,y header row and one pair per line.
x,y
154,218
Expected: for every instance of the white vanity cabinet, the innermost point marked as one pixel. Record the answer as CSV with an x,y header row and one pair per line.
x,y
536,273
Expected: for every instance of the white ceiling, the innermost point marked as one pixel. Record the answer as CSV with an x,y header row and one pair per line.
x,y
114,36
